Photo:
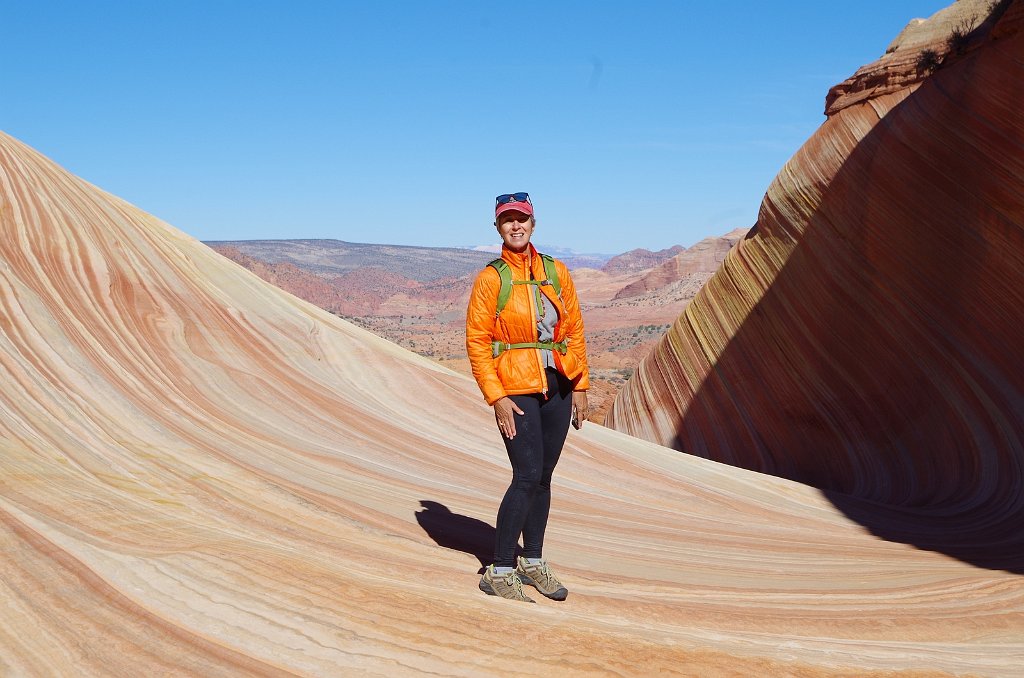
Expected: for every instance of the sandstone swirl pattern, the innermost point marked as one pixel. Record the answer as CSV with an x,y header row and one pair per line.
x,y
202,475
865,337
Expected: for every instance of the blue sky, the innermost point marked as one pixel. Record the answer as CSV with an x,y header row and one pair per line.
x,y
643,124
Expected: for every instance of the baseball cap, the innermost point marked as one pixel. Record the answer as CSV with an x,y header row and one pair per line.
x,y
507,202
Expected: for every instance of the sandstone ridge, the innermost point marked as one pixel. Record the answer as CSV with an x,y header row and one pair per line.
x,y
861,338
923,47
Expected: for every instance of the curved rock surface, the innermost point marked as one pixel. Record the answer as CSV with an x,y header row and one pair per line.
x,y
203,475
864,338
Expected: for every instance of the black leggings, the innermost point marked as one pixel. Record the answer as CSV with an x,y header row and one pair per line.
x,y
540,433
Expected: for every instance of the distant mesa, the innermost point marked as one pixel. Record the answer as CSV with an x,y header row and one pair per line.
x,y
864,337
639,259
703,258
423,264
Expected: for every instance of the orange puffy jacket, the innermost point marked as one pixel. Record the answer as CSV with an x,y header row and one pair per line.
x,y
521,370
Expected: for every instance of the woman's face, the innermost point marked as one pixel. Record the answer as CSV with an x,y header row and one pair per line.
x,y
515,229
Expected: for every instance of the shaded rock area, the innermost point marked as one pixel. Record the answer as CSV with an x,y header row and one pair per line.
x,y
863,337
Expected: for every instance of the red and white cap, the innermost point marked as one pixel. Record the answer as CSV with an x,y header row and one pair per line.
x,y
517,205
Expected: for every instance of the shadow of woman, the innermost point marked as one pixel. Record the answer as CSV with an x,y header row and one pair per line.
x,y
458,532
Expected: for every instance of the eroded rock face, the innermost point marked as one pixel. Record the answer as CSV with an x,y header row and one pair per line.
x,y
864,337
922,48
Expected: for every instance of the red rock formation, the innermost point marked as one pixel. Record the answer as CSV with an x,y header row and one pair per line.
x,y
920,49
863,338
639,259
294,280
700,260
354,293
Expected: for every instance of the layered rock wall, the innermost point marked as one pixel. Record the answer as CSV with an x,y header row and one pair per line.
x,y
864,337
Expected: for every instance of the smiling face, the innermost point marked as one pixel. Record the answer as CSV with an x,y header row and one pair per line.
x,y
515,229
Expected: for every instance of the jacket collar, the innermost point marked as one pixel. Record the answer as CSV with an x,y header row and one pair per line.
x,y
518,261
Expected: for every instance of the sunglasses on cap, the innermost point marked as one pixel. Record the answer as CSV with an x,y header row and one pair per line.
x,y
512,197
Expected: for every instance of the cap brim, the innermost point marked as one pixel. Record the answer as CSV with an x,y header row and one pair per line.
x,y
523,207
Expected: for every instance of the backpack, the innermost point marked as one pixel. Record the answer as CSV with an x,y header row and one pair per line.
x,y
505,273
505,291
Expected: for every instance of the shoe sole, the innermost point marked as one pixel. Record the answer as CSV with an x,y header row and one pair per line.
x,y
489,590
560,594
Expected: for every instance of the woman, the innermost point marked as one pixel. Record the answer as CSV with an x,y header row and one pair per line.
x,y
530,361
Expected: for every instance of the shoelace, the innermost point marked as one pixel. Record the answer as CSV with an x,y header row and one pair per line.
x,y
513,580
550,581
549,578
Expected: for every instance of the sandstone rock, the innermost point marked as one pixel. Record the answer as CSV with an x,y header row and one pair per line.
x,y
921,48
863,337
202,475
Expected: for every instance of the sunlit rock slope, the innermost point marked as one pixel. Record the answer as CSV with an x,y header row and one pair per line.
x,y
865,337
201,475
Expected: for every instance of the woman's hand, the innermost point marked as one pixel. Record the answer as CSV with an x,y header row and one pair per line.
x,y
579,403
503,414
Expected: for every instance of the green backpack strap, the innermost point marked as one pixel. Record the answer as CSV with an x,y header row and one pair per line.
x,y
505,290
505,274
551,273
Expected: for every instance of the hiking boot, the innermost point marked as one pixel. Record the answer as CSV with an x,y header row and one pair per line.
x,y
507,586
541,578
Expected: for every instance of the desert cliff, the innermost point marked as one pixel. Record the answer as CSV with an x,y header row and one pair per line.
x,y
862,337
